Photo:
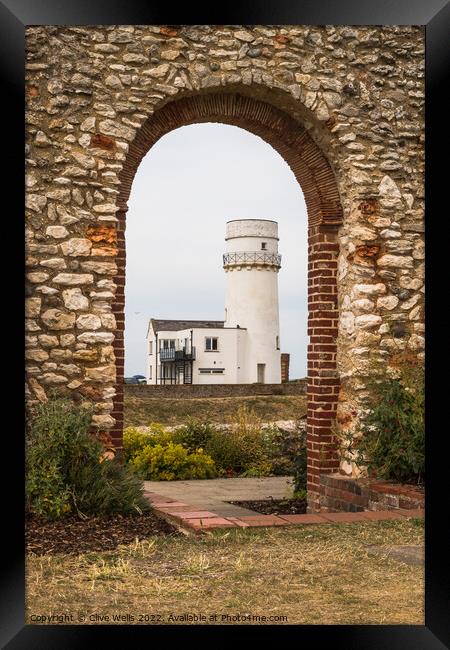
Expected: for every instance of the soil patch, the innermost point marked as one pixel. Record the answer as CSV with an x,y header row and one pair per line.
x,y
72,535
275,506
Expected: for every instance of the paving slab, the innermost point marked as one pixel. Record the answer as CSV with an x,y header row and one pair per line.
x,y
264,488
214,494
413,555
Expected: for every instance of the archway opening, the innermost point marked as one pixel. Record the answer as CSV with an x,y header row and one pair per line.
x,y
190,183
314,174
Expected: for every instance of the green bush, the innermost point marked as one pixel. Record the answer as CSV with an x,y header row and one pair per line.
x,y
194,435
172,462
263,468
134,440
288,453
66,470
284,448
245,448
392,442
158,434
300,465
240,447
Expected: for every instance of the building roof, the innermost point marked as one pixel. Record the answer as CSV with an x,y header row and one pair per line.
x,y
176,325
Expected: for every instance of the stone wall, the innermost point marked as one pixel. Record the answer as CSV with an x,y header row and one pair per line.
x,y
187,391
343,106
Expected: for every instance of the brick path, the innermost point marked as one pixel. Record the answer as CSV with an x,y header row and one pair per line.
x,y
202,505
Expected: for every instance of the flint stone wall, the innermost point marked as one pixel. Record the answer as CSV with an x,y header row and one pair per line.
x,y
358,92
188,391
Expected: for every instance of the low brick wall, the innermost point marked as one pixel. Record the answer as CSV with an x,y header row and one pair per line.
x,y
215,390
339,493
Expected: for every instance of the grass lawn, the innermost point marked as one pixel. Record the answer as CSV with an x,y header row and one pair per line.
x,y
141,411
310,574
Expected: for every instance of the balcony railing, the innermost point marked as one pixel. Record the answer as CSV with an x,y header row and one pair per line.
x,y
256,258
171,354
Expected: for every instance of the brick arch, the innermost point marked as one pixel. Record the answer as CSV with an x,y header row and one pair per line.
x,y
315,176
286,135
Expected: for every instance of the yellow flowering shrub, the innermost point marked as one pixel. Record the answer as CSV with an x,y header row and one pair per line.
x,y
172,462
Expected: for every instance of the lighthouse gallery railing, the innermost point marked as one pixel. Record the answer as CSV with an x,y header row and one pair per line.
x,y
270,259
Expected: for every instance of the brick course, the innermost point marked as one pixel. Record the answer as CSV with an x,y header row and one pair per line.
x,y
340,493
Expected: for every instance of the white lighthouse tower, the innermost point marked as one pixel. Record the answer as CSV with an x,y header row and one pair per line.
x,y
251,264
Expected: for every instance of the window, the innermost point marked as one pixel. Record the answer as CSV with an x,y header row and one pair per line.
x,y
150,347
263,246
211,371
150,372
278,342
211,344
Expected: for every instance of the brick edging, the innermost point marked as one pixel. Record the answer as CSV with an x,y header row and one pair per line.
x,y
191,518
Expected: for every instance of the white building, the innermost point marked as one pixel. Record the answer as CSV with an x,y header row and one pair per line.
x,y
245,347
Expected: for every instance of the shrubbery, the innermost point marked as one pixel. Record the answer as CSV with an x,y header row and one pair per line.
x,y
240,447
299,460
201,450
172,462
393,432
285,448
162,455
392,440
66,470
194,435
133,442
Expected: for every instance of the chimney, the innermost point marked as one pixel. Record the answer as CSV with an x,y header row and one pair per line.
x,y
284,367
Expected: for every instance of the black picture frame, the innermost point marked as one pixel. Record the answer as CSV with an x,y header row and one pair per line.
x,y
15,15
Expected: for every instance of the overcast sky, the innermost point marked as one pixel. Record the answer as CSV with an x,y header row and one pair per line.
x,y
192,181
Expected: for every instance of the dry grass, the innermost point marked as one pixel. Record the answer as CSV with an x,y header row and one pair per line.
x,y
310,574
141,411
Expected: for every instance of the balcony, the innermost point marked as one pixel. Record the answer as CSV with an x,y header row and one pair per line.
x,y
171,354
257,258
